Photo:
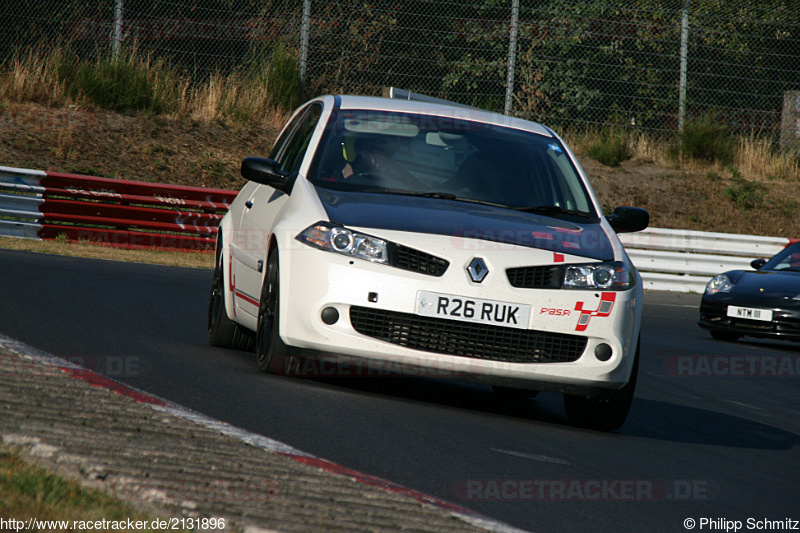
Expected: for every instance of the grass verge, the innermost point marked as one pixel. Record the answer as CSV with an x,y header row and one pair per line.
x,y
85,249
137,82
30,492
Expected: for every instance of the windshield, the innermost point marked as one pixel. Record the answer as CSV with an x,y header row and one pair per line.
x,y
786,259
448,158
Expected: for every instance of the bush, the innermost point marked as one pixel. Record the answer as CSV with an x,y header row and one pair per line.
x,y
283,79
706,138
277,69
125,83
611,148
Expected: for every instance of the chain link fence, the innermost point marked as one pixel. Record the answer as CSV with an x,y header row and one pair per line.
x,y
651,64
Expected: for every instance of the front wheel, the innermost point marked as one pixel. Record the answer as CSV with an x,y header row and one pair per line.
x,y
270,348
604,413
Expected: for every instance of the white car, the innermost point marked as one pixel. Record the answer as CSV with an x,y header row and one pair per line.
x,y
433,239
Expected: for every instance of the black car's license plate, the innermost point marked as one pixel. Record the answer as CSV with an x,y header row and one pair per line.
x,y
750,313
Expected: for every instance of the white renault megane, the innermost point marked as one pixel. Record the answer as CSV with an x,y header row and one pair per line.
x,y
432,237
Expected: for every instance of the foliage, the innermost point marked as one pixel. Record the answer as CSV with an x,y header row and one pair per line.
x,y
577,63
610,148
283,78
129,82
706,138
590,61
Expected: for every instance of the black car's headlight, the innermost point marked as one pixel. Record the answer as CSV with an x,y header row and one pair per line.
x,y
719,283
610,276
331,238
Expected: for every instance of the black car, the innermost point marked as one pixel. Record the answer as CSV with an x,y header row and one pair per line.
x,y
763,303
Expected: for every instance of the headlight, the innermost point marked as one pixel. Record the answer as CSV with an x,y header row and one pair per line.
x,y
719,283
326,236
612,276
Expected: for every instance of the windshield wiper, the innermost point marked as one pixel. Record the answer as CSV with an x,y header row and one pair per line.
x,y
448,196
441,195
555,210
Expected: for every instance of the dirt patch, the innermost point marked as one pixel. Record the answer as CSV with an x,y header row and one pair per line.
x,y
155,149
703,199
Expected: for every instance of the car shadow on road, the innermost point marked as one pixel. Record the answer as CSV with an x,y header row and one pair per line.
x,y
654,419
650,419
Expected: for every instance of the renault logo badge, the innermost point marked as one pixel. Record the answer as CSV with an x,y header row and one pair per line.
x,y
477,270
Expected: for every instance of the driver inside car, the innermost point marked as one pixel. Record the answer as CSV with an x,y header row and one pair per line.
x,y
360,156
369,161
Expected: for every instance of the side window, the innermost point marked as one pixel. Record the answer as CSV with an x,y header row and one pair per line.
x,y
285,136
290,152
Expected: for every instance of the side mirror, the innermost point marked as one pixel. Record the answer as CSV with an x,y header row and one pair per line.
x,y
758,263
267,172
628,219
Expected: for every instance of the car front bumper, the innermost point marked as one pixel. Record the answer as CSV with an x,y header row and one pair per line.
x,y
785,323
376,305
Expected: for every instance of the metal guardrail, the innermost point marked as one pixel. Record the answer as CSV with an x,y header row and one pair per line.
x,y
121,213
684,260
43,205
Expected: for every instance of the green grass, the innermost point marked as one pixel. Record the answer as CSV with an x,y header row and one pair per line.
x,y
706,138
27,491
610,148
277,69
131,82
745,194
137,82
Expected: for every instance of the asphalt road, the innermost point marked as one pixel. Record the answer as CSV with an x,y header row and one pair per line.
x,y
714,432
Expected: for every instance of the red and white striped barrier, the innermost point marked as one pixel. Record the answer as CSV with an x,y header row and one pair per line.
x,y
121,213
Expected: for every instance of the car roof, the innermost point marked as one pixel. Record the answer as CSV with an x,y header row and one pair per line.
x,y
428,108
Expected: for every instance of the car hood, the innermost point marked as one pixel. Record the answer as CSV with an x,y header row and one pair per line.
x,y
768,283
467,220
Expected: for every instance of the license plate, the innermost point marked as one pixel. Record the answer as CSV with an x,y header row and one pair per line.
x,y
454,307
750,313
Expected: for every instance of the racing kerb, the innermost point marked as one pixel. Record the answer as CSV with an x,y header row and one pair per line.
x,y
121,213
131,214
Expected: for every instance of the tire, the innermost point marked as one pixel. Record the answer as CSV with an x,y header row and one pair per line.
x,y
271,352
222,331
605,413
513,393
724,335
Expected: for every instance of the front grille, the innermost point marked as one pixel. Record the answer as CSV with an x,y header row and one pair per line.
x,y
787,325
751,325
480,341
416,261
714,312
536,277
